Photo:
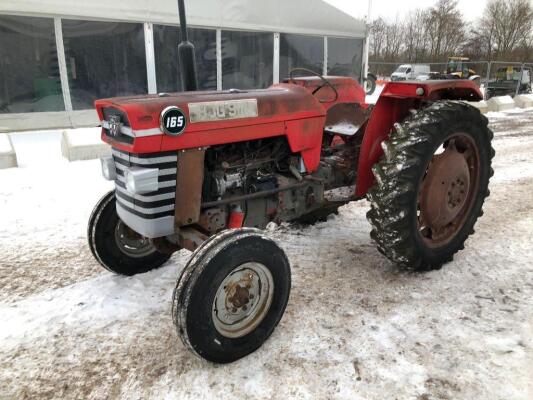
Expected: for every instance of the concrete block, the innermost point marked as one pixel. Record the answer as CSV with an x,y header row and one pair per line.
x,y
501,103
8,157
83,144
524,100
480,105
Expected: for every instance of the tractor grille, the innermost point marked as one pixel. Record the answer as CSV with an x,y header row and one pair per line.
x,y
151,205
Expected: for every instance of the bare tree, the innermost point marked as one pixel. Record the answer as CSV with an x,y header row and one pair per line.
x,y
506,26
445,29
505,31
416,39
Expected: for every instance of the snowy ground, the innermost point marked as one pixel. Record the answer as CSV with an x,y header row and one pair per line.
x,y
355,327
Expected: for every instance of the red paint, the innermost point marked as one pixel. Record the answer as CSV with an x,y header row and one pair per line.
x,y
393,106
287,109
236,219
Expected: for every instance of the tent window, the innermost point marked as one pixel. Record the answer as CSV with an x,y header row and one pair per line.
x,y
104,59
345,57
29,71
247,60
298,51
166,40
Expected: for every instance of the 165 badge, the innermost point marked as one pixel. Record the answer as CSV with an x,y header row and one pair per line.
x,y
173,121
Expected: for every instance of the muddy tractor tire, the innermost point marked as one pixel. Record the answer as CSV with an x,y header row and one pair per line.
x,y
231,295
431,184
115,246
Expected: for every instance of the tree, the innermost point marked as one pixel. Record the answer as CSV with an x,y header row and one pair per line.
x,y
506,29
445,29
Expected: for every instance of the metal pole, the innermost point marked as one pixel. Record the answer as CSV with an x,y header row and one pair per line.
x,y
520,80
489,66
367,40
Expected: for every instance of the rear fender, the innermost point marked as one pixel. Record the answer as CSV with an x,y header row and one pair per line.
x,y
393,106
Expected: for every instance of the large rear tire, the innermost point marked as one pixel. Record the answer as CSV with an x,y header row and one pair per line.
x,y
117,247
431,184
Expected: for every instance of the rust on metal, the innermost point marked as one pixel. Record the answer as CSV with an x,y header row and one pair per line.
x,y
448,189
190,238
189,180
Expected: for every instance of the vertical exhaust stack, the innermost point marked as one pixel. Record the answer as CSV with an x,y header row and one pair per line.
x,y
186,56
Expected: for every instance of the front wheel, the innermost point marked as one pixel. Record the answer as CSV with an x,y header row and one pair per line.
x,y
231,295
117,247
431,184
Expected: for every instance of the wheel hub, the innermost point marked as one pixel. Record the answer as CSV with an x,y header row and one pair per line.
x,y
242,300
448,189
445,188
131,243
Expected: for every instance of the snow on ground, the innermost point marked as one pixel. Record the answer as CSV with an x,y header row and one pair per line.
x,y
355,327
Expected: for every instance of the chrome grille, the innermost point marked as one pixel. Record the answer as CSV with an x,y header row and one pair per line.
x,y
151,205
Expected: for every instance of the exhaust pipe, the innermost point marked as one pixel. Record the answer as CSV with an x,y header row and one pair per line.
x,y
186,56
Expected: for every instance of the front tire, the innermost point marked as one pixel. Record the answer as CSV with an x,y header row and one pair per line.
x,y
431,184
117,247
231,295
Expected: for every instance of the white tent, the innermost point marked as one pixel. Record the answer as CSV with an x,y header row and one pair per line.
x,y
288,16
39,104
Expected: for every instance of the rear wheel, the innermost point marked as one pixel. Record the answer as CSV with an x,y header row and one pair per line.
x,y
231,295
115,246
431,184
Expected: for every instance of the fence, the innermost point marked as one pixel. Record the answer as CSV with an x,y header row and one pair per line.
x,y
496,77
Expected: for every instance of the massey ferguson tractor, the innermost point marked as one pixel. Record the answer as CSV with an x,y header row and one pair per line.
x,y
207,170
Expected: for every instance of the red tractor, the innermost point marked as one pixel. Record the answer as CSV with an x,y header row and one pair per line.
x,y
205,171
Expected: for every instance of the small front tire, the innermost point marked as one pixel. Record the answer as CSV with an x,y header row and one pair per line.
x,y
231,295
117,247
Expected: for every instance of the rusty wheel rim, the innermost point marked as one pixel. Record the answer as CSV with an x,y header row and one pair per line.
x,y
243,300
448,190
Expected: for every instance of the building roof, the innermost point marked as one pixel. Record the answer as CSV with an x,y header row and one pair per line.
x,y
314,17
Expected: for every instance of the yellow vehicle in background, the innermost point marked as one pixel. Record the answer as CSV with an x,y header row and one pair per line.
x,y
458,66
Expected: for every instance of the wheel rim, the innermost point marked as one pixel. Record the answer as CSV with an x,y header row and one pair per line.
x,y
131,243
448,190
243,300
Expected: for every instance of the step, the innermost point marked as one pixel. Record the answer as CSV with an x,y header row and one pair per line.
x,y
501,103
83,144
524,100
8,157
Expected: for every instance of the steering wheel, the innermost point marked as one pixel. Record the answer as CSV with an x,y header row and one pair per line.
x,y
324,84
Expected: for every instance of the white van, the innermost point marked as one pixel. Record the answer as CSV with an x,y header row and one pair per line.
x,y
407,72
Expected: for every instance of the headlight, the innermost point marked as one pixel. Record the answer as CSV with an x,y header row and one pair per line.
x,y
108,168
141,180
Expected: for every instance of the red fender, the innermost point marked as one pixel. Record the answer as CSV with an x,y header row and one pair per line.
x,y
393,105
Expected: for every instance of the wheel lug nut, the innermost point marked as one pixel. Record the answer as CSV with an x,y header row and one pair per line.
x,y
244,308
234,310
251,296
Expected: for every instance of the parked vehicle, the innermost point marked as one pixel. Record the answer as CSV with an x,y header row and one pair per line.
x,y
508,80
204,170
408,72
457,68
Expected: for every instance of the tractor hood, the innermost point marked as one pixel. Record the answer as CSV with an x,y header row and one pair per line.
x,y
138,124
